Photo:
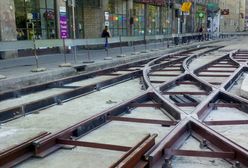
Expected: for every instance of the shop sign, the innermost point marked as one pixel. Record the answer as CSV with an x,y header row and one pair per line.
x,y
29,16
63,23
106,15
106,23
201,11
224,11
186,6
213,7
201,15
186,13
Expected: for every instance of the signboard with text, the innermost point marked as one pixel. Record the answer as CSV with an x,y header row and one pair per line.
x,y
224,11
186,6
63,23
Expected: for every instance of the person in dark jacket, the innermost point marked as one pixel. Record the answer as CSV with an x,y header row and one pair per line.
x,y
106,35
200,33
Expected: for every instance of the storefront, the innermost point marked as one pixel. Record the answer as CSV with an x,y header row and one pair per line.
x,y
138,19
150,17
118,18
35,19
153,19
200,18
166,20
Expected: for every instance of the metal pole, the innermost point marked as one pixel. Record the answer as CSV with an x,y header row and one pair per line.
x,y
64,50
239,17
88,53
73,19
120,46
38,69
74,30
35,54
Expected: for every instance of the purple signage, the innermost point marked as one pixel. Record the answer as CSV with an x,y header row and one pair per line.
x,y
63,23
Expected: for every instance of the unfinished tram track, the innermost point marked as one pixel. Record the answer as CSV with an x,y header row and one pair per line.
x,y
181,114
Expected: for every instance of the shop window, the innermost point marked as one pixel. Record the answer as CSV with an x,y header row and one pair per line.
x,y
153,20
117,17
139,19
166,21
35,19
92,3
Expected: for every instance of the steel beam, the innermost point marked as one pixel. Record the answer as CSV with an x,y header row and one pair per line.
x,y
140,120
93,145
224,71
156,105
189,93
213,75
163,75
134,155
157,82
209,154
222,66
228,122
17,154
186,104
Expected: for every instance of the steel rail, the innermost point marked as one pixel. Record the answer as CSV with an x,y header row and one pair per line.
x,y
134,155
49,144
146,153
17,154
184,129
60,82
23,109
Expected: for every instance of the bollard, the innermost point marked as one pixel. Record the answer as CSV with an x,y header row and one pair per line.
x,y
37,69
134,49
188,40
75,54
65,64
163,42
145,51
176,40
168,43
155,45
121,51
88,54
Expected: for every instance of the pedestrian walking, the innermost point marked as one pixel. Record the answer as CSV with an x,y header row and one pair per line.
x,y
106,34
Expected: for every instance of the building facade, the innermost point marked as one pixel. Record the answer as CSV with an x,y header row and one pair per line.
x,y
40,19
246,15
232,15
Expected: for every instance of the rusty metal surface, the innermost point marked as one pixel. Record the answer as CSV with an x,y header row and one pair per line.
x,y
221,146
147,153
15,155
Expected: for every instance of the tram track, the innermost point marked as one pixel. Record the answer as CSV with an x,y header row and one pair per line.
x,y
173,100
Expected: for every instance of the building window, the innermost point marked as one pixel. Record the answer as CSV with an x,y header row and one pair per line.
x,y
139,19
153,20
35,19
92,3
166,21
118,17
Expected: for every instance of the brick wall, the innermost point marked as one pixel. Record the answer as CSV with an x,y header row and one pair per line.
x,y
93,22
